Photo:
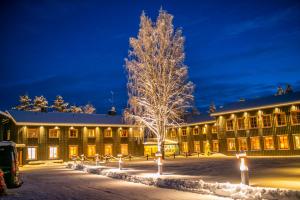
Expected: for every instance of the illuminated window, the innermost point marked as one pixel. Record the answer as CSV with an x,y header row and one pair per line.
x,y
91,150
266,120
73,150
183,132
253,122
231,144
73,133
108,149
214,129
53,152
31,153
124,149
54,133
91,133
297,141
124,133
204,129
32,133
185,147
215,145
229,124
283,142
108,132
269,143
243,144
255,143
280,119
196,131
295,116
197,146
173,133
241,123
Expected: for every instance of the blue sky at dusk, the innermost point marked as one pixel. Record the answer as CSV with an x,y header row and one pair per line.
x,y
76,49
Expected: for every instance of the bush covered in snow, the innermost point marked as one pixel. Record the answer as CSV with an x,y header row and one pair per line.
x,y
235,191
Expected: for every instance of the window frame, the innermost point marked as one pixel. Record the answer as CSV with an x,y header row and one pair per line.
x,y
73,129
106,131
214,129
270,136
69,152
250,122
294,141
122,131
278,142
196,131
196,143
231,139
184,130
35,155
263,124
33,129
89,152
238,125
89,130
293,112
213,145
53,129
243,139
259,143
49,154
276,119
229,120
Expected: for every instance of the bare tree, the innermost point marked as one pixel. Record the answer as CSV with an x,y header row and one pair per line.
x,y
158,88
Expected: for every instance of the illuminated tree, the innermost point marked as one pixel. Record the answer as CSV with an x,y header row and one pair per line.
x,y
76,109
89,109
158,89
25,103
60,105
40,104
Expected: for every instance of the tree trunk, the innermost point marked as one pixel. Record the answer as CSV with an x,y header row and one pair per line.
x,y
161,148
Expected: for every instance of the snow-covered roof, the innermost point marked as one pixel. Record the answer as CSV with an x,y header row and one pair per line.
x,y
259,103
60,118
199,118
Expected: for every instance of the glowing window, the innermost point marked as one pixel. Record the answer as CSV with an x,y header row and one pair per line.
x,y
54,133
124,149
91,150
31,153
295,116
73,133
215,145
197,146
253,122
108,149
269,143
214,129
231,144
185,147
255,143
32,133
91,133
243,144
124,133
283,142
108,132
241,123
53,152
73,151
183,132
173,133
297,141
196,131
229,124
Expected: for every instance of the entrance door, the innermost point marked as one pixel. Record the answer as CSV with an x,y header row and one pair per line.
x,y
108,149
20,157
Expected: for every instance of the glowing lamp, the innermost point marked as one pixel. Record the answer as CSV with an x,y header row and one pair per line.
x,y
120,161
243,167
159,162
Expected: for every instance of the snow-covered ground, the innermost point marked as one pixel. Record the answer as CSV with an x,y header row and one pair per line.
x,y
51,182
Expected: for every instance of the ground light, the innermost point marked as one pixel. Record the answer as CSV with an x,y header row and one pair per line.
x,y
97,160
159,163
243,167
120,161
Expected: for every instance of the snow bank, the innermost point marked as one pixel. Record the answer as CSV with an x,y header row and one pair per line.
x,y
235,191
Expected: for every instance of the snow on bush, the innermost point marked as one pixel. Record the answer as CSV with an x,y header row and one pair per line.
x,y
234,191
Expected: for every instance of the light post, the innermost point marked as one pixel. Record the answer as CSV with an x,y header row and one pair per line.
x,y
243,167
97,159
82,159
120,161
159,162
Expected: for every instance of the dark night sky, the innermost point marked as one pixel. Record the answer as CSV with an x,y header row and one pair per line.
x,y
234,49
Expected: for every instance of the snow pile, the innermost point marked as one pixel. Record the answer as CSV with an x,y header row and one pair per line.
x,y
235,191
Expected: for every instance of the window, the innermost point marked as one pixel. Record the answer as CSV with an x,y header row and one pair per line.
x,y
231,144
196,131
297,141
54,133
283,142
183,132
73,133
124,149
91,150
185,147
214,129
204,129
243,144
108,149
295,116
53,152
197,146
31,153
32,133
173,133
280,119
269,143
229,125
255,143
253,122
266,120
241,123
124,133
91,133
73,151
108,132
215,146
